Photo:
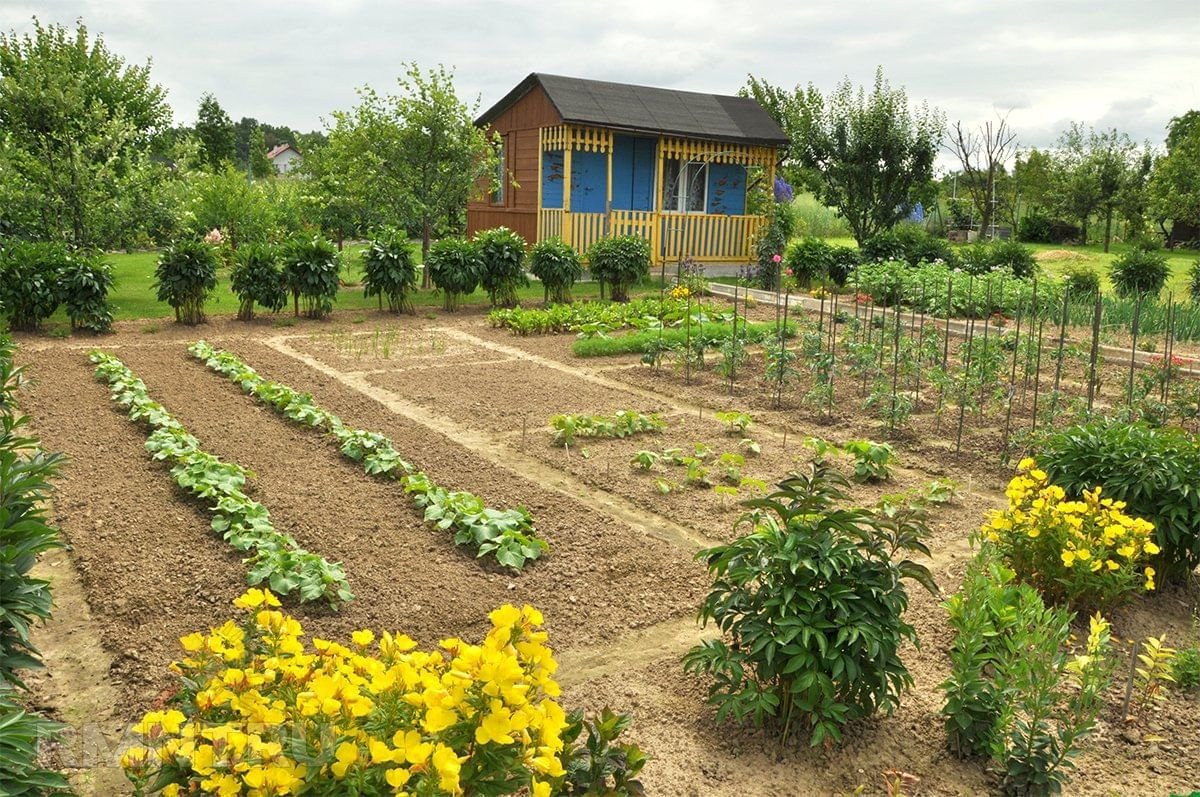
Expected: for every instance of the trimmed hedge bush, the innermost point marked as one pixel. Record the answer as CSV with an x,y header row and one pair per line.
x,y
454,266
620,261
557,265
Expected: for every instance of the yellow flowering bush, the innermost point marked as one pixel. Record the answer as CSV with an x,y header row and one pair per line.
x,y
1088,554
680,292
260,712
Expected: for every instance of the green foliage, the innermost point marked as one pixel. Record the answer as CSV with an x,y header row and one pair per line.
x,y
21,735
245,212
675,339
389,270
277,560
771,242
507,535
600,765
925,287
256,278
1185,668
310,273
591,319
620,261
455,266
25,475
502,260
215,132
1081,281
1015,693
1139,272
736,422
623,423
843,260
29,282
863,152
77,121
1153,470
185,275
84,282
1194,282
808,259
810,604
872,461
643,459
557,265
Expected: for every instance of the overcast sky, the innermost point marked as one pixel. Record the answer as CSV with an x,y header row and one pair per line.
x,y
1129,65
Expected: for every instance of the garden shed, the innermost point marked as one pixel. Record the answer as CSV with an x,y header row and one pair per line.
x,y
670,166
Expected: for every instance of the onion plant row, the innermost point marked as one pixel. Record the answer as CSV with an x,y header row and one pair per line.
x,y
599,318
508,535
277,559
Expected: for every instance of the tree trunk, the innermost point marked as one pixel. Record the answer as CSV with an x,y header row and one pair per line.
x,y
1107,226
1083,231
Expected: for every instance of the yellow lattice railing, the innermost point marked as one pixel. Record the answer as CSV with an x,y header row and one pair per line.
x,y
716,152
588,139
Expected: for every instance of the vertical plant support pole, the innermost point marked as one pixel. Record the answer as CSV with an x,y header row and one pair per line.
x,y
920,350
949,310
687,355
987,323
1012,379
783,359
1035,315
1137,317
895,372
1168,349
1097,315
1037,374
962,393
832,357
1062,339
733,343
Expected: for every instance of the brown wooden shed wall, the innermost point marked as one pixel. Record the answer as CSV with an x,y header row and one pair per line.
x,y
519,125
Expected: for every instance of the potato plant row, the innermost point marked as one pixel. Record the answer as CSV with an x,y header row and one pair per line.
x,y
244,523
508,535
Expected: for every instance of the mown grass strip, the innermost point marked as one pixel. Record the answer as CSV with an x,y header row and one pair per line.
x,y
244,523
713,335
508,535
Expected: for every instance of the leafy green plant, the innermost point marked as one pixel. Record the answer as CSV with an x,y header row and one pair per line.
x,y
731,465
557,265
21,734
277,559
389,269
750,446
600,765
256,279
1151,679
185,275
1194,282
29,275
454,266
1153,470
644,459
810,603
1185,668
808,259
1139,272
770,244
83,283
619,262
622,423
502,264
508,535
1015,693
736,422
872,461
310,273
1081,281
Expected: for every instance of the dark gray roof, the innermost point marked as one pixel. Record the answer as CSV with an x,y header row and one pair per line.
x,y
643,109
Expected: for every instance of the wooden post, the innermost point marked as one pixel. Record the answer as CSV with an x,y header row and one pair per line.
x,y
659,249
608,188
569,145
541,156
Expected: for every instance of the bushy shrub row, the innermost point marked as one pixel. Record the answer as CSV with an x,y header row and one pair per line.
x,y
36,278
943,291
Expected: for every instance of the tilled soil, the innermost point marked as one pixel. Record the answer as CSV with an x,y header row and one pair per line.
x,y
469,404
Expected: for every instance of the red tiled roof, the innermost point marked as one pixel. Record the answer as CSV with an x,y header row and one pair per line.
x,y
279,150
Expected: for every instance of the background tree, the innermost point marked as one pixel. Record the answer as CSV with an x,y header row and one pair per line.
x,y
257,163
76,124
867,155
1075,185
782,106
1174,186
216,133
982,153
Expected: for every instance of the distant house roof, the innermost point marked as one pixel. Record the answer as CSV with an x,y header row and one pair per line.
x,y
643,109
279,150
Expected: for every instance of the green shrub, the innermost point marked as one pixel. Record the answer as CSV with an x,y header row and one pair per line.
x,y
454,266
925,287
1139,272
808,259
772,240
842,262
918,246
1153,470
557,266
1015,694
1081,281
1185,668
502,259
1037,228
310,273
83,285
1013,258
620,261
882,247
1194,282
257,279
389,270
811,605
21,736
29,282
186,274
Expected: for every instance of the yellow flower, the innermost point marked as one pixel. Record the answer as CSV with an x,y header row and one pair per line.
x,y
448,766
1151,548
1068,558
346,754
136,759
496,727
1026,464
253,598
1149,572
397,778
363,638
1083,554
438,719
540,789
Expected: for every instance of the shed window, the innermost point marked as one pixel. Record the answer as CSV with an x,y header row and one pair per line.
x,y
685,186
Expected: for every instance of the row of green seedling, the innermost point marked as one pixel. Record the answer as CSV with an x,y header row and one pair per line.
x,y
508,535
592,319
623,423
277,559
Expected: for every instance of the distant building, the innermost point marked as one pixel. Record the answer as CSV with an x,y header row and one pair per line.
x,y
284,158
